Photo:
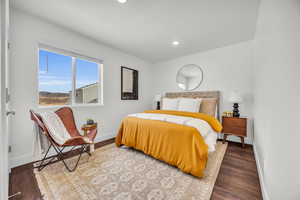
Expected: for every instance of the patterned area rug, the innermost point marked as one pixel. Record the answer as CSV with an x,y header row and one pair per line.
x,y
123,174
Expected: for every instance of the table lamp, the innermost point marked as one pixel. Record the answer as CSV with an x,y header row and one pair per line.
x,y
235,98
157,99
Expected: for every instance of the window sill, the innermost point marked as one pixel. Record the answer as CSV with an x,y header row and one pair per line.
x,y
71,106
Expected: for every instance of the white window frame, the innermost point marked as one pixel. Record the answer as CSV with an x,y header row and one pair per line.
x,y
74,56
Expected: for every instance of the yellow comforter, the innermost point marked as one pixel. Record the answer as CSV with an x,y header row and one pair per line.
x,y
178,145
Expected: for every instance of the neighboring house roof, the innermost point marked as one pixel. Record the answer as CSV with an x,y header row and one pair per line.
x,y
86,86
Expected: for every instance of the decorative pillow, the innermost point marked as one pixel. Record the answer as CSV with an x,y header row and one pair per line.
x,y
209,106
170,104
189,104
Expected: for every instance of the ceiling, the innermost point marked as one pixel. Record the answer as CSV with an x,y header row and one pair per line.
x,y
146,28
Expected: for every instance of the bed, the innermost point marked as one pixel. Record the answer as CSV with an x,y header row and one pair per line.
x,y
179,138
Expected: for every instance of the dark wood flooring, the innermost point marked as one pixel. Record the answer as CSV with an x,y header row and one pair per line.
x,y
237,180
238,176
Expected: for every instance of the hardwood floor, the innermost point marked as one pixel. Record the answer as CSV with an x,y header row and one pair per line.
x,y
237,180
238,177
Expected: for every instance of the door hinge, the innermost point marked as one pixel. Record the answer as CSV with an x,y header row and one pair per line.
x,y
7,95
9,148
8,45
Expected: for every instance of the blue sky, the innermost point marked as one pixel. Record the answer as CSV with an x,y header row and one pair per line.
x,y
58,77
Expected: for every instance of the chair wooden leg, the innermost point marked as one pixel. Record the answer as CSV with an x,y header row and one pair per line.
x,y
242,141
224,138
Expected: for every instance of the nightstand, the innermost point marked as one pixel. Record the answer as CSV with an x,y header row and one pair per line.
x,y
86,128
234,126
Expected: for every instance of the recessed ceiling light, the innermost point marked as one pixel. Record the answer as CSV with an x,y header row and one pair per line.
x,y
175,43
122,1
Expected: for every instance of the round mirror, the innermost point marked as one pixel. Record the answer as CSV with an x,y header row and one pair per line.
x,y
189,77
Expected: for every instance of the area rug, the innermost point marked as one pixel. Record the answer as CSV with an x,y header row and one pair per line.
x,y
125,174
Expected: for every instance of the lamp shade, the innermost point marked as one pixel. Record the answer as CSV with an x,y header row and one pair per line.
x,y
157,97
235,97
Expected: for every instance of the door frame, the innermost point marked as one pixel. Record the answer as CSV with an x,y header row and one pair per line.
x,y
4,170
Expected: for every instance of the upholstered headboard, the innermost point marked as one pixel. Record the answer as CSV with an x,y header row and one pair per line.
x,y
200,94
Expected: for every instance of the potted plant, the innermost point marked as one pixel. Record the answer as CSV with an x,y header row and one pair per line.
x,y
90,121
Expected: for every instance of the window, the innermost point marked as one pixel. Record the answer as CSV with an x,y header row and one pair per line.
x,y
87,82
66,78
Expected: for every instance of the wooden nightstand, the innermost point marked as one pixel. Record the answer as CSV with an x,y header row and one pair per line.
x,y
86,128
234,126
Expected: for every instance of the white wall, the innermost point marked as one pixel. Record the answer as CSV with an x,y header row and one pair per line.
x,y
277,97
224,69
26,32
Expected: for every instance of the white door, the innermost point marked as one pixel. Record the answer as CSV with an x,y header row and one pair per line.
x,y
4,107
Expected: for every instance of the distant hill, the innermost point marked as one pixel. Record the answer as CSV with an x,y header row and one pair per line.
x,y
53,94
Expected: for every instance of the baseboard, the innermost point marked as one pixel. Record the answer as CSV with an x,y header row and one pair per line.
x,y
15,161
102,137
260,174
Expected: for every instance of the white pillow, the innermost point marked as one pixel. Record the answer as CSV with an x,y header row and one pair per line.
x,y
170,104
189,104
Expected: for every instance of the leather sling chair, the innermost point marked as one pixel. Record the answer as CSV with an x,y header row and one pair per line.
x,y
67,117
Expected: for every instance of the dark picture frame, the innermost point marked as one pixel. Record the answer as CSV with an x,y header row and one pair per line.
x,y
129,84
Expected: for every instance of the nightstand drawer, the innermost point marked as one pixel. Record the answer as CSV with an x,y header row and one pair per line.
x,y
240,131
234,122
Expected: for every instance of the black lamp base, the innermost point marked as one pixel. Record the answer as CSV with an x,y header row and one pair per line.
x,y
236,112
158,105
